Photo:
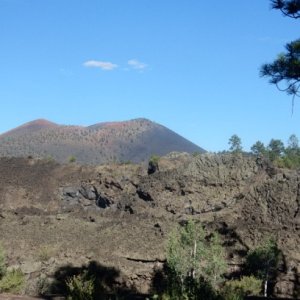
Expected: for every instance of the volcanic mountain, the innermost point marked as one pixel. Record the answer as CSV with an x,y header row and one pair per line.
x,y
135,140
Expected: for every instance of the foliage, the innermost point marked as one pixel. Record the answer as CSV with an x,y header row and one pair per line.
x,y
286,68
12,282
153,164
238,289
45,253
195,265
50,158
292,152
154,159
235,144
71,159
290,8
216,265
281,156
196,153
2,262
263,261
258,148
42,286
81,287
293,143
275,149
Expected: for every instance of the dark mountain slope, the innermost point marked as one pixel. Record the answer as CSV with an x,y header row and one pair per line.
x,y
133,140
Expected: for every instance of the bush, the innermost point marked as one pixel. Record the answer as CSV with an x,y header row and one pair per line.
x,y
154,159
153,164
42,286
45,253
80,287
71,159
238,289
2,262
12,282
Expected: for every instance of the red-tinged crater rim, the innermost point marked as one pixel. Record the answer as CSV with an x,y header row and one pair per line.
x,y
32,126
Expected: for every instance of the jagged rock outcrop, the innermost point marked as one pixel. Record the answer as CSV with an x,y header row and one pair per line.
x,y
120,216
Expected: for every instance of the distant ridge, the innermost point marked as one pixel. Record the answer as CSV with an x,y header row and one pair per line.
x,y
134,140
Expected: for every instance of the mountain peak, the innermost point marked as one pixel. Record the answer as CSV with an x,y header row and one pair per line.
x,y
31,127
134,140
40,123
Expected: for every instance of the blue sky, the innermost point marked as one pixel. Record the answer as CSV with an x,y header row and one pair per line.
x,y
192,66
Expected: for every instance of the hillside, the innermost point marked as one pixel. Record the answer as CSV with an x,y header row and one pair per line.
x,y
57,220
135,140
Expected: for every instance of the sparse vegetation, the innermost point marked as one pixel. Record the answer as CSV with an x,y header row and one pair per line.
x,y
195,265
42,286
71,159
81,287
2,262
153,164
238,289
235,144
12,282
195,154
276,152
45,253
262,262
154,159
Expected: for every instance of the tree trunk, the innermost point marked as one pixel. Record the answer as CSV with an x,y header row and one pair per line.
x,y
266,288
194,257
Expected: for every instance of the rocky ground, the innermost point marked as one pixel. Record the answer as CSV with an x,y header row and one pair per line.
x,y
56,220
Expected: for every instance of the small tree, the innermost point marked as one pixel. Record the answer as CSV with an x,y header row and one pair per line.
x,y
194,263
258,148
184,251
235,144
263,261
293,143
292,152
216,265
275,149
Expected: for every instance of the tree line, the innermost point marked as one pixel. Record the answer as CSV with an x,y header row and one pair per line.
x,y
282,156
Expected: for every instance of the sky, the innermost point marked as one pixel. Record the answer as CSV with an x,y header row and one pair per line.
x,y
192,66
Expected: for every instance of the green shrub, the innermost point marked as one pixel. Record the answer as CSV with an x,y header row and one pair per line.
x,y
238,289
80,287
2,262
196,153
45,253
154,159
71,159
42,286
12,282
